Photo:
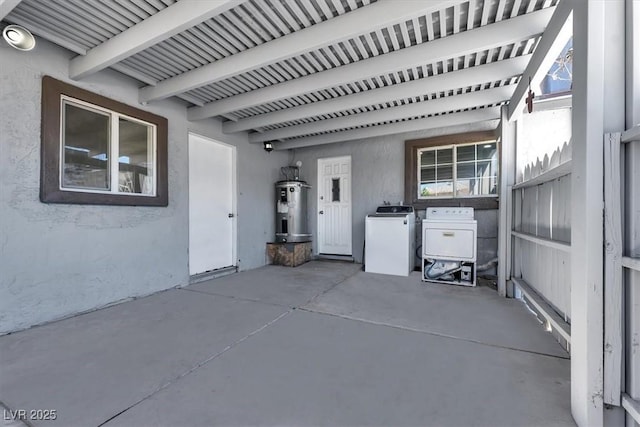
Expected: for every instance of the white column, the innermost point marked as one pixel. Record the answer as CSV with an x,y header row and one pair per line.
x,y
632,33
507,179
632,198
598,60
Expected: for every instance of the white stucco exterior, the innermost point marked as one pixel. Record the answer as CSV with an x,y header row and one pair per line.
x,y
57,260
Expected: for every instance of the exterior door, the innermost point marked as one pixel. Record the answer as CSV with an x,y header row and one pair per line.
x,y
334,206
212,225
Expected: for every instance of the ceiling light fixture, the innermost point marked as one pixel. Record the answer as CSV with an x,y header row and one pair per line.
x,y
268,146
19,37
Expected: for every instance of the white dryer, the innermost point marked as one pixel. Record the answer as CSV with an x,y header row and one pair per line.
x,y
449,246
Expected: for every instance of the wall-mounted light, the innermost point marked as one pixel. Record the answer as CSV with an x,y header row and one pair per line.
x,y
268,146
19,37
530,97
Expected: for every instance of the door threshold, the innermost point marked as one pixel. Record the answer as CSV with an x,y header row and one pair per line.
x,y
213,274
345,258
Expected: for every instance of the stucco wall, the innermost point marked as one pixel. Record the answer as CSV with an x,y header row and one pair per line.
x,y
378,175
57,260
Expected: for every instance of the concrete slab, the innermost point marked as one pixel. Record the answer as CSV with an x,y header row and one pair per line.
x,y
286,286
476,314
91,367
314,369
193,357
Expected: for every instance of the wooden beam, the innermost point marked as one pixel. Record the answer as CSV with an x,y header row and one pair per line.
x,y
631,263
443,121
632,203
632,134
509,260
163,25
6,6
631,406
128,71
502,33
554,38
557,322
507,179
443,82
613,288
632,64
378,15
416,109
542,241
598,105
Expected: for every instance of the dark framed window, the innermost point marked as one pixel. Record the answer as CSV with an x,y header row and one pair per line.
x,y
96,150
453,170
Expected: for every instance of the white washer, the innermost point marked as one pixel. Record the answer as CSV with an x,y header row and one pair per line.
x,y
449,246
389,240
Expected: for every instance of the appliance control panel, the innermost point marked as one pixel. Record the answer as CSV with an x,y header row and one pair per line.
x,y
396,209
451,213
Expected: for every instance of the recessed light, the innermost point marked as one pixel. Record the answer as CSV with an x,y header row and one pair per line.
x,y
19,37
14,36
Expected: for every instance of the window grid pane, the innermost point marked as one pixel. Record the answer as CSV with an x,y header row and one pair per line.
x,y
135,158
459,171
92,137
85,148
486,151
428,158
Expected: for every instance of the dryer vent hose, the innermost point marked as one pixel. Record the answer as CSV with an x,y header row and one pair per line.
x,y
482,267
487,265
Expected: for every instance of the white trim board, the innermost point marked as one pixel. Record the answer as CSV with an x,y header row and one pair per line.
x,y
557,322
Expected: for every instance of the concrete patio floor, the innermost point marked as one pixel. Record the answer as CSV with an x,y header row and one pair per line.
x,y
320,344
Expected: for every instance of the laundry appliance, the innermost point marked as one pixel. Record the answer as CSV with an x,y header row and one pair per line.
x,y
390,240
449,246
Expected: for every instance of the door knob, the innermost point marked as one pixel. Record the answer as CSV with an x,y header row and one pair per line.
x,y
231,215
321,212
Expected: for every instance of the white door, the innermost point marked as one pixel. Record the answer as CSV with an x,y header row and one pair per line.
x,y
212,225
334,206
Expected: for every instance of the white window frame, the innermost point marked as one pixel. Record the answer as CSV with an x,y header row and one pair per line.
x,y
454,148
114,148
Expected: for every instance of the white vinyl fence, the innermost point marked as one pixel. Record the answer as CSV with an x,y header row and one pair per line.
x,y
541,249
622,272
540,215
